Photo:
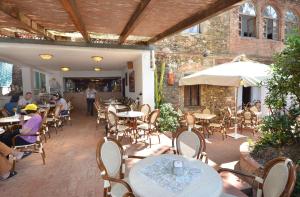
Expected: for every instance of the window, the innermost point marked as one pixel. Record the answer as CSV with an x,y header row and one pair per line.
x,y
192,95
291,23
192,30
6,71
247,20
271,28
39,81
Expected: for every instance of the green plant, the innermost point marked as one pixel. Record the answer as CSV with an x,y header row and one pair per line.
x,y
168,120
280,128
158,84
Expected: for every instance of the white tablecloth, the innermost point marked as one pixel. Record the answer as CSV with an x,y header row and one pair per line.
x,y
130,114
13,119
152,177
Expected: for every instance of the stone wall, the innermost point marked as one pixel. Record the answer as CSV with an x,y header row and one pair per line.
x,y
218,42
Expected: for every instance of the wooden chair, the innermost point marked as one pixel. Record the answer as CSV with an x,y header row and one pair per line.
x,y
115,128
248,120
219,126
54,121
67,117
45,129
146,109
36,147
100,112
191,121
190,142
129,194
150,128
278,179
111,157
181,120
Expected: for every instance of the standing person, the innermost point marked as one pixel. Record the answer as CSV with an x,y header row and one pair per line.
x,y
90,98
27,99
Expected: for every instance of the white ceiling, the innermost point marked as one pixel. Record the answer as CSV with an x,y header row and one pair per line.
x,y
77,58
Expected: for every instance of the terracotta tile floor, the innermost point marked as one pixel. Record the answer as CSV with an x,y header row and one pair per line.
x,y
71,168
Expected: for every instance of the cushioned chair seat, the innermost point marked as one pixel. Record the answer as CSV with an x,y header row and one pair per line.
x,y
120,128
118,190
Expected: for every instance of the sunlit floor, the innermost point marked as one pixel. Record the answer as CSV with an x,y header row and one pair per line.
x,y
71,168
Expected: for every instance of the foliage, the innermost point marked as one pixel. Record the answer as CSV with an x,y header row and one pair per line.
x,y
279,128
168,120
158,84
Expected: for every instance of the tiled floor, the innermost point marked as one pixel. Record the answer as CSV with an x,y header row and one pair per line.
x,y
71,168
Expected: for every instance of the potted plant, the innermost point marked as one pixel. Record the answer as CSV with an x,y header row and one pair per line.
x,y
168,120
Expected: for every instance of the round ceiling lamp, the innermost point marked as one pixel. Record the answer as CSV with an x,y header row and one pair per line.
x,y
65,69
46,56
97,58
97,69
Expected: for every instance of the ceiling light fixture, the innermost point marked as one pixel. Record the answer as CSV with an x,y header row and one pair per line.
x,y
97,69
97,58
65,69
46,56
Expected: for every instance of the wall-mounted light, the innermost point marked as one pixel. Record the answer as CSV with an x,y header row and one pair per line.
x,y
97,69
65,69
46,56
97,58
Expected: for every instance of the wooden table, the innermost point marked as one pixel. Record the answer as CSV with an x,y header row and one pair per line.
x,y
204,119
132,116
153,177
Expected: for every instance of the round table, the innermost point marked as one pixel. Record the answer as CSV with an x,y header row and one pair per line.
x,y
113,103
132,115
121,107
152,177
12,119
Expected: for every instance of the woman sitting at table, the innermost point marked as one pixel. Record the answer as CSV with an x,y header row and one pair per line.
x,y
30,127
12,104
62,102
5,166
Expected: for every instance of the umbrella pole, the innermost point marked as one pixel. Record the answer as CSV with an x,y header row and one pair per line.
x,y
235,119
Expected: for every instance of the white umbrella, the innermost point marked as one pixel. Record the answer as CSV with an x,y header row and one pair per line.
x,y
239,72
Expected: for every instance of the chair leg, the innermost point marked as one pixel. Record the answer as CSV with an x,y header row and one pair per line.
x,y
158,137
150,140
43,156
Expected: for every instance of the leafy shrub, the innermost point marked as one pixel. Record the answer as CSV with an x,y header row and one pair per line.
x,y
168,120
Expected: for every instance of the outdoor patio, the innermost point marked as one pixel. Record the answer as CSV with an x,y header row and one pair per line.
x,y
71,168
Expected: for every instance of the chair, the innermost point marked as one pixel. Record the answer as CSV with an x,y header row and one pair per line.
x,y
45,129
191,143
206,111
112,108
150,128
129,194
54,120
181,120
219,126
248,121
232,117
146,109
278,178
115,128
67,117
36,147
100,112
191,121
111,157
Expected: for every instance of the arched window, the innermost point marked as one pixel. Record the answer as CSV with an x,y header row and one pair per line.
x,y
271,28
291,22
247,20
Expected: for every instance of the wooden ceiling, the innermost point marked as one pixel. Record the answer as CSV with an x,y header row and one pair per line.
x,y
150,19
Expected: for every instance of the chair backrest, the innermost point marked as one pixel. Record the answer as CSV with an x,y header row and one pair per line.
x,y
190,119
279,177
229,111
45,114
57,110
146,109
112,119
206,111
253,109
189,142
153,116
129,194
247,116
112,108
180,112
109,155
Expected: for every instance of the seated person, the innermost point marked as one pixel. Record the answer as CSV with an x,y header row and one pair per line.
x,y
30,127
13,103
27,99
5,166
62,102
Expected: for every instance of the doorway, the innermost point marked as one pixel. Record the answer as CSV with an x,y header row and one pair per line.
x,y
246,95
123,87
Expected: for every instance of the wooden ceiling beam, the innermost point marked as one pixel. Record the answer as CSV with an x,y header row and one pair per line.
x,y
71,8
27,24
200,16
136,17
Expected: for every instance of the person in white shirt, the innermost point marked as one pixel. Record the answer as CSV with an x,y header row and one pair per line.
x,y
27,99
90,99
